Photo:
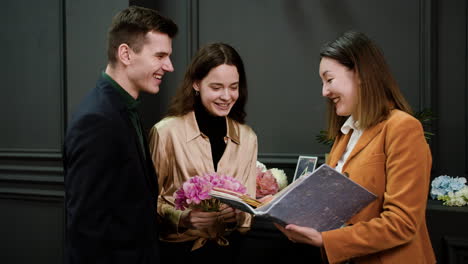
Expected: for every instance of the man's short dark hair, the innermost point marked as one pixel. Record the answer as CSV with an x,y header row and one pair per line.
x,y
130,26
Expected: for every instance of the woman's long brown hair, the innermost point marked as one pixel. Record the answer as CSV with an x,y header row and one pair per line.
x,y
207,58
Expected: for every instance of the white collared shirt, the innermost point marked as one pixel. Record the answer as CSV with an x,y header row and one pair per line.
x,y
345,129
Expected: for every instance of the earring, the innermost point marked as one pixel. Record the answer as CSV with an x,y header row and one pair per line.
x,y
197,93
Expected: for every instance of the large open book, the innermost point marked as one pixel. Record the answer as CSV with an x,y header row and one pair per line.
x,y
324,200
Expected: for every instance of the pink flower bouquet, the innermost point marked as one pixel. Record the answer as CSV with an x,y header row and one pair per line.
x,y
269,181
195,193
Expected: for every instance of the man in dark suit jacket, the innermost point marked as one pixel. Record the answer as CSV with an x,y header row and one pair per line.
x,y
110,184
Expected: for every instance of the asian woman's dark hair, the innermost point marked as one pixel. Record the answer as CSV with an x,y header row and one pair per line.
x,y
378,91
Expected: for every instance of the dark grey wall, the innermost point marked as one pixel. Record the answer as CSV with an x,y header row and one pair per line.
x,y
55,50
451,152
279,41
87,23
424,43
154,107
32,75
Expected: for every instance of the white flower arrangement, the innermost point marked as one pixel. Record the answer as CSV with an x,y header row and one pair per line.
x,y
269,181
261,166
280,177
451,190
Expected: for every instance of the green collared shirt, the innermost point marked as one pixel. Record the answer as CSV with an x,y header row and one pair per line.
x,y
132,105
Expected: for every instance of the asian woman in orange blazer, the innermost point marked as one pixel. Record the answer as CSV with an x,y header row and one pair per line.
x,y
379,145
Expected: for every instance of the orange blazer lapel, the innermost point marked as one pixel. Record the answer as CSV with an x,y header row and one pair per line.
x,y
365,138
338,149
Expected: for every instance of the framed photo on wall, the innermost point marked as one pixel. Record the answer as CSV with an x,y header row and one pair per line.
x,y
305,165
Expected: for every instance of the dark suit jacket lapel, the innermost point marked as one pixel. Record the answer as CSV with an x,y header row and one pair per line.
x,y
143,161
117,101
148,166
151,172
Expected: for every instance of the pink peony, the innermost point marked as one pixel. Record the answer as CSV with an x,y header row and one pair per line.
x,y
195,192
266,184
180,202
232,184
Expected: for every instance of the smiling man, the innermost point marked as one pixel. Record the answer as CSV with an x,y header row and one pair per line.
x,y
110,183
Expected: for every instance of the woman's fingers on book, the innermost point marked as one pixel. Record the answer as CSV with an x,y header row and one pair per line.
x,y
280,227
202,214
199,223
304,234
226,209
228,215
229,219
223,207
199,219
300,234
289,234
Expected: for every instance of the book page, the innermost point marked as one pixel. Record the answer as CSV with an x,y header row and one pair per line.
x,y
278,196
233,201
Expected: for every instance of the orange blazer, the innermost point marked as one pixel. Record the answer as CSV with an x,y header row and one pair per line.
x,y
392,160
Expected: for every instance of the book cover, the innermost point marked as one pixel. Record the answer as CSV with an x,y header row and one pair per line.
x,y
324,200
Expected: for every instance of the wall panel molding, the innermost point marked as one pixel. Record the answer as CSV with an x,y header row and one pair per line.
x,y
31,166
466,91
428,66
63,80
33,186
285,160
456,250
31,174
42,154
32,194
428,53
24,173
192,34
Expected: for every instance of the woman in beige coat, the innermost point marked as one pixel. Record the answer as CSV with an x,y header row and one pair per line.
x,y
205,132
381,146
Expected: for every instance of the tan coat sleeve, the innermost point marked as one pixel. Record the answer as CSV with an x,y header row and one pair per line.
x,y
166,208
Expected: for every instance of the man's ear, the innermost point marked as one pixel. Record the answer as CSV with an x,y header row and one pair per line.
x,y
124,53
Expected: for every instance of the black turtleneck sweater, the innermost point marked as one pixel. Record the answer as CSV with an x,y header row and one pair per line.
x,y
214,127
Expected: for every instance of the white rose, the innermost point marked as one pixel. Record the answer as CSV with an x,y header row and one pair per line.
x,y
280,177
261,166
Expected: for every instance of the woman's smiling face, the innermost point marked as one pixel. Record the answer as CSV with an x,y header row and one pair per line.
x,y
219,90
340,85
